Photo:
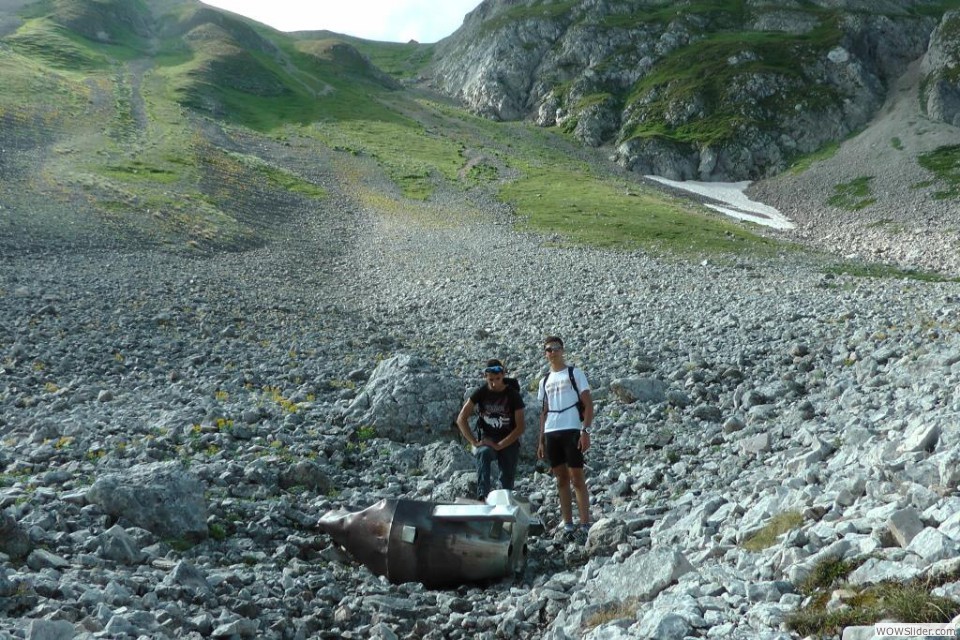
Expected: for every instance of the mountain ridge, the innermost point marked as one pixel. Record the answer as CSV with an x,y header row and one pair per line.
x,y
708,91
123,121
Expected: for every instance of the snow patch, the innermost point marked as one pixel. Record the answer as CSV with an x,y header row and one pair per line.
x,y
738,205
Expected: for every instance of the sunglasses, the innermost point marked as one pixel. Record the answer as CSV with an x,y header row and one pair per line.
x,y
552,349
497,369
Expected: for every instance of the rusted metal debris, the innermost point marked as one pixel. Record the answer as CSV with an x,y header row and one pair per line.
x,y
439,545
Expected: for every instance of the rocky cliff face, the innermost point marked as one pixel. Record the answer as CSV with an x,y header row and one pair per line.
x,y
711,91
941,68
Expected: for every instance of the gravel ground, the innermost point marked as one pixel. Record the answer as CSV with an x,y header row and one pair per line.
x,y
113,357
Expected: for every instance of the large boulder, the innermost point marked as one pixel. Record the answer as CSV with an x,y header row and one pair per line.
x,y
638,389
444,459
407,399
161,497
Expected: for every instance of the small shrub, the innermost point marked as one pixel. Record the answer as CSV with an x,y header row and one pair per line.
x,y
944,162
909,602
619,611
777,526
853,195
179,545
827,573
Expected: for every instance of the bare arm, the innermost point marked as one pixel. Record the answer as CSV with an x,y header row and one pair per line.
x,y
541,442
463,422
587,400
518,427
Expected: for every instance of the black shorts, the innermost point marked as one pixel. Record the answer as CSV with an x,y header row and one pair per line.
x,y
563,448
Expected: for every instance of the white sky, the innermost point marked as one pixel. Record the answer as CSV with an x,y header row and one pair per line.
x,y
384,20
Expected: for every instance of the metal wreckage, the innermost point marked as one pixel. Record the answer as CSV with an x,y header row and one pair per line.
x,y
438,545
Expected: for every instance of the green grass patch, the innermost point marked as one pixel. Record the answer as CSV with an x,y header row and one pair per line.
x,y
853,195
538,10
599,212
34,97
399,60
720,13
909,602
137,170
625,610
777,526
701,74
306,83
944,163
279,177
896,143
412,156
805,162
826,574
875,270
57,47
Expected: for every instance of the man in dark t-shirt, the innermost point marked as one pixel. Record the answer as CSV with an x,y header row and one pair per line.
x,y
499,427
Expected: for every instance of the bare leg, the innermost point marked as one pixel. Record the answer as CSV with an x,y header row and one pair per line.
x,y
562,473
583,496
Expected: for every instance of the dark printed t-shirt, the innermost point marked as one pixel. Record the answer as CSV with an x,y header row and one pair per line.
x,y
496,411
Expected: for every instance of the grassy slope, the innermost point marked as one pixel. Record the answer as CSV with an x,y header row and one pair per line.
x,y
127,145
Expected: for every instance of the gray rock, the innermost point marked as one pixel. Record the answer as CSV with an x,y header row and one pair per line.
x,y
605,536
921,436
659,625
238,628
117,545
408,400
443,459
305,473
941,99
50,630
43,559
14,541
189,577
757,444
642,575
932,545
905,525
163,498
638,389
876,570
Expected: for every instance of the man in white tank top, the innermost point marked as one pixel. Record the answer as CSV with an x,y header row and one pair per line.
x,y
565,420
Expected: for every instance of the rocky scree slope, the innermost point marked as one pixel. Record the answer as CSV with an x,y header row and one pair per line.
x,y
231,383
723,91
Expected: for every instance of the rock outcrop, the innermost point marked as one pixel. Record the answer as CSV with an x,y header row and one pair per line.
x,y
684,93
941,70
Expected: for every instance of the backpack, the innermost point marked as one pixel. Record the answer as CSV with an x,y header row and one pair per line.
x,y
576,389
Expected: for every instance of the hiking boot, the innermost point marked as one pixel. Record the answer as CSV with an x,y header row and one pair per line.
x,y
581,533
566,530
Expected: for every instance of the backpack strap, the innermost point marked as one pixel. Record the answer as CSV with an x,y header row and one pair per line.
x,y
578,404
573,382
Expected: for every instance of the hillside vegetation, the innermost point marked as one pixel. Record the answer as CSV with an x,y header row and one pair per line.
x,y
126,121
